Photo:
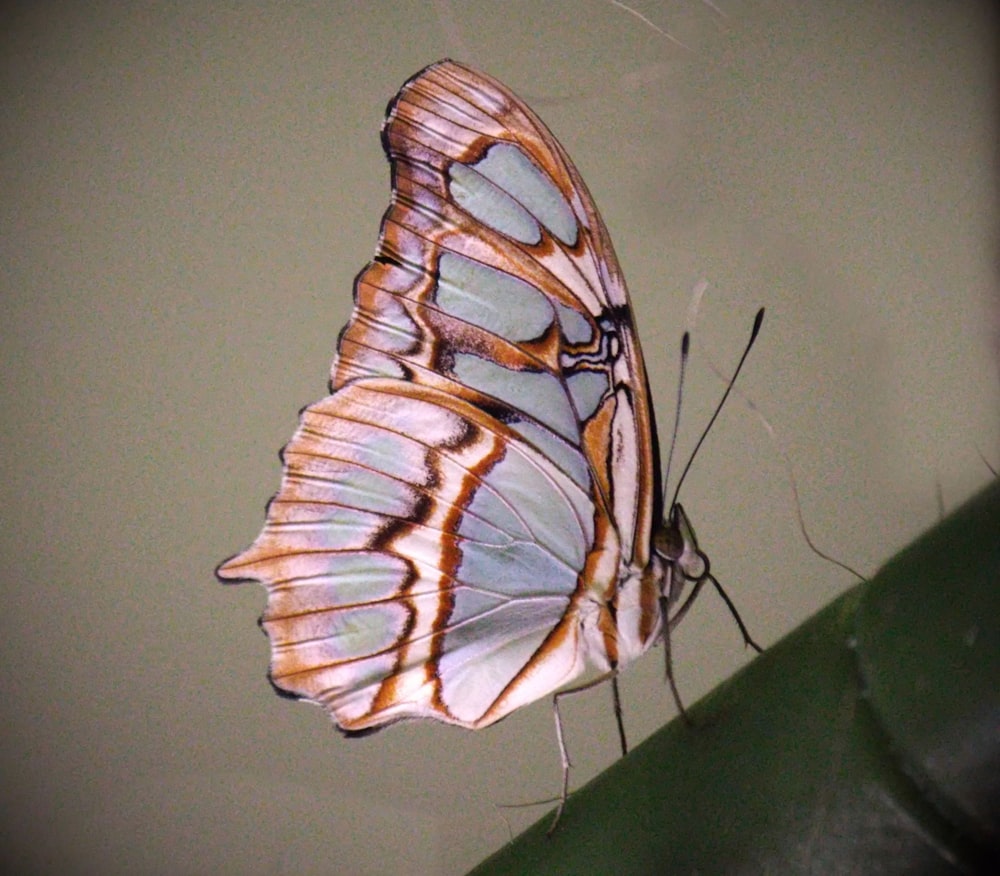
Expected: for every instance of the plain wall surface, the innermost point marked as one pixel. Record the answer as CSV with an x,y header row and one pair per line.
x,y
188,191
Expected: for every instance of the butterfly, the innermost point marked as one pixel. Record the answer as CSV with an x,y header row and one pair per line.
x,y
472,519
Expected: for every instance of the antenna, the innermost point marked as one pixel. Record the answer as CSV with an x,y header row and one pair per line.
x,y
685,349
757,322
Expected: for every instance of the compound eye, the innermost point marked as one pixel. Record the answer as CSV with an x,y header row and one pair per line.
x,y
668,543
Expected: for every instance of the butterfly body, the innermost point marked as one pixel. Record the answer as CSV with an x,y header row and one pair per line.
x,y
472,518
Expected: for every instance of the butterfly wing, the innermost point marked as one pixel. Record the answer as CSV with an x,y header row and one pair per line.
x,y
457,520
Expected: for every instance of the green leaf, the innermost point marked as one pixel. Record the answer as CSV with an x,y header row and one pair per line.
x,y
866,741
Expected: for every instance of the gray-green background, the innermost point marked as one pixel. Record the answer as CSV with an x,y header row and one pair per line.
x,y
188,190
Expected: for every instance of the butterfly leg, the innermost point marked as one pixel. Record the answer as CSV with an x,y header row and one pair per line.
x,y
670,622
668,657
561,738
617,705
747,640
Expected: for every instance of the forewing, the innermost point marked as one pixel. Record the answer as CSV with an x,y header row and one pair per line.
x,y
450,516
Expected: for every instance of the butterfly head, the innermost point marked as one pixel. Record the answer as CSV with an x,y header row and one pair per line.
x,y
676,546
